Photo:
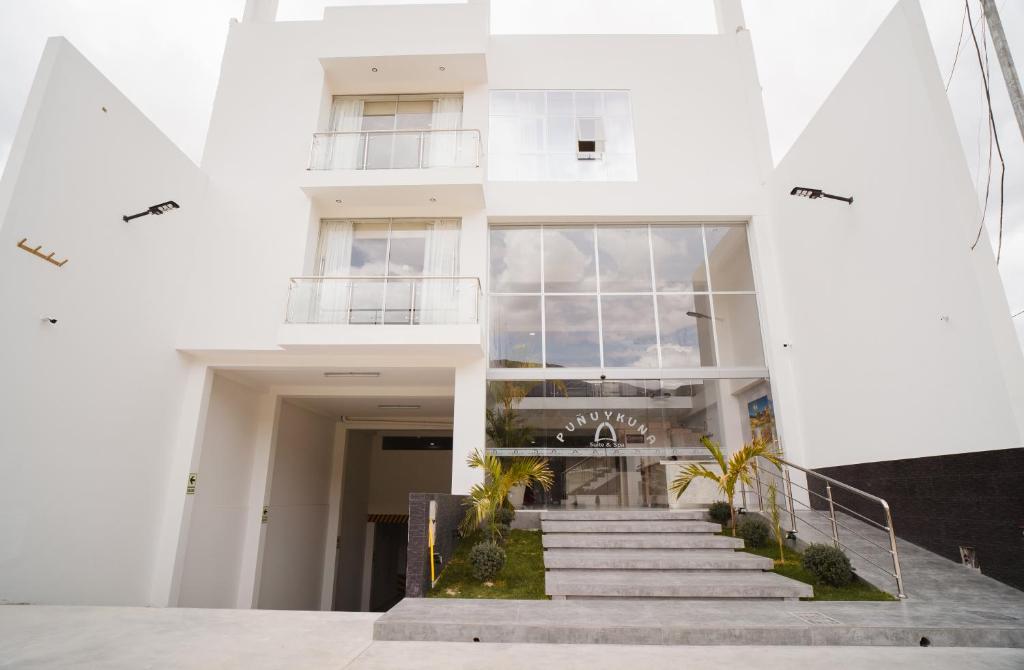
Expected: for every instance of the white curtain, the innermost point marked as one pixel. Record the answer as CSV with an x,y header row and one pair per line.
x,y
342,151
331,298
439,298
445,139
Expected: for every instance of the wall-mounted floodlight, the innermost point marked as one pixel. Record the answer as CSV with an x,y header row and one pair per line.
x,y
815,193
156,210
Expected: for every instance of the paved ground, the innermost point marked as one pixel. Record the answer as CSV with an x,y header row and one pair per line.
x,y
117,638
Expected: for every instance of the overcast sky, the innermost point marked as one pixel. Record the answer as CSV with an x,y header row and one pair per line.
x,y
165,56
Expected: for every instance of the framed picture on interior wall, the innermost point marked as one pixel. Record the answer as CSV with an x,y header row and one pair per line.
x,y
762,419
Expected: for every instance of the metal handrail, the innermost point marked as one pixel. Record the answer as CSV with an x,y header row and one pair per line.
x,y
462,306
830,514
362,160
394,278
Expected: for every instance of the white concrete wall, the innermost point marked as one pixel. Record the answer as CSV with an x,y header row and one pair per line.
x,y
355,494
272,97
293,554
88,407
221,511
396,474
862,292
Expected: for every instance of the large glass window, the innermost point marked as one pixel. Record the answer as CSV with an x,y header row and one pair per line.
x,y
372,271
627,295
561,136
395,131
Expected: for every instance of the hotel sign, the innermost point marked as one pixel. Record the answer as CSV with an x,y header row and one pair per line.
x,y
690,452
611,433
605,435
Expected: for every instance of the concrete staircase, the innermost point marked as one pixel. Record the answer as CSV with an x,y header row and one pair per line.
x,y
653,554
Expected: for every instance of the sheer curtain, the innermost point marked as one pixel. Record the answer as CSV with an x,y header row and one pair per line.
x,y
444,145
439,299
343,151
334,259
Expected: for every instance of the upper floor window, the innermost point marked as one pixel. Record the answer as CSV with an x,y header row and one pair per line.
x,y
395,131
395,271
561,136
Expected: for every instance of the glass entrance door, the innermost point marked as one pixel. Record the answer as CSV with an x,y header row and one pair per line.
x,y
619,443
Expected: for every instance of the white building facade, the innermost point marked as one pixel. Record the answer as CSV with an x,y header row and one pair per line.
x,y
399,222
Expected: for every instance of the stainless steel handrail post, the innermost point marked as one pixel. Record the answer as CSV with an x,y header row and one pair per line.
x,y
832,516
789,500
757,483
895,552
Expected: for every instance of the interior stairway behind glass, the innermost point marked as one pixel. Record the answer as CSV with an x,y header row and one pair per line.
x,y
649,553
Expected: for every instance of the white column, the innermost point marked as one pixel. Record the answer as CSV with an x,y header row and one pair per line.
x,y
264,450
333,529
729,16
468,422
172,537
367,576
260,11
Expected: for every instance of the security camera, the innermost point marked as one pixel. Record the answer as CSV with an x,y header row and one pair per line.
x,y
603,377
50,320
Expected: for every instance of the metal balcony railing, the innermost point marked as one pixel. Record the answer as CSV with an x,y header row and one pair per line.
x,y
390,149
824,496
384,300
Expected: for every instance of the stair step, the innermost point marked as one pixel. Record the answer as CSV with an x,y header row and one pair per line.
x,y
672,584
637,526
624,515
641,541
654,559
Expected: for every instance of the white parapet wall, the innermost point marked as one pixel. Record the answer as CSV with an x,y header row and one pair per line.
x,y
90,403
892,338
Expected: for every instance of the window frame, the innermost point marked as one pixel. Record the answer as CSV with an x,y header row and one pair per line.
x,y
711,372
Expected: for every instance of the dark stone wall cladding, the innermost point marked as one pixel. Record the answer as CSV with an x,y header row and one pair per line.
x,y
944,502
449,513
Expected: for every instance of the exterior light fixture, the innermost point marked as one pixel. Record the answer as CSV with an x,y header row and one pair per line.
x,y
433,199
791,535
337,202
156,210
351,374
373,69
441,68
815,193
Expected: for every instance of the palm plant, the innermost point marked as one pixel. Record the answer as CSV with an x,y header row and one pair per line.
x,y
736,469
487,497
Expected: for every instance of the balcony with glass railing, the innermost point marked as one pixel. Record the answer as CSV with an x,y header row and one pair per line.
x,y
395,149
409,301
396,167
376,314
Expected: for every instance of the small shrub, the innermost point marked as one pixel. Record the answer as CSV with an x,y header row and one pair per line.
x,y
754,530
719,512
504,515
487,559
828,564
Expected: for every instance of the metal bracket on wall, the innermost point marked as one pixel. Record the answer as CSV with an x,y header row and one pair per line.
x,y
35,252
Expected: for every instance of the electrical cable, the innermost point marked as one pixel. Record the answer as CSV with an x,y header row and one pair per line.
x,y
995,135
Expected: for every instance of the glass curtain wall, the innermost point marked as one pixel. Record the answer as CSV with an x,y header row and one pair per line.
x,y
671,309
623,296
